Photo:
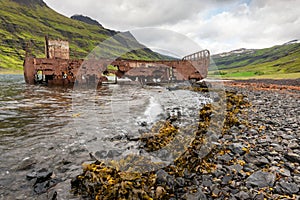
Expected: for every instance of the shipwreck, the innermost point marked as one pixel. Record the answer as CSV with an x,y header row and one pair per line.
x,y
57,68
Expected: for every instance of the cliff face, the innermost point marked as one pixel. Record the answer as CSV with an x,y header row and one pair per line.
x,y
24,24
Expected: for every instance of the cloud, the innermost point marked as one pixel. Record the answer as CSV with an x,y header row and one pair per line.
x,y
136,13
218,25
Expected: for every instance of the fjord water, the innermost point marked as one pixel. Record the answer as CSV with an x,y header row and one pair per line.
x,y
56,128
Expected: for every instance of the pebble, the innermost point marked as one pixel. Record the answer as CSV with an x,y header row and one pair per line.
x,y
257,160
268,147
261,179
283,187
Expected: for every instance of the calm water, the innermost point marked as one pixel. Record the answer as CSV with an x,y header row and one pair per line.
x,y
56,128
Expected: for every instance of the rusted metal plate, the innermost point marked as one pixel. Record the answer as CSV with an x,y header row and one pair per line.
x,y
58,69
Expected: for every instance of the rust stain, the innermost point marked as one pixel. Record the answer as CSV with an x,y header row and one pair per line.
x,y
58,69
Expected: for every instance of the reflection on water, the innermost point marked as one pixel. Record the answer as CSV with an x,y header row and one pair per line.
x,y
56,128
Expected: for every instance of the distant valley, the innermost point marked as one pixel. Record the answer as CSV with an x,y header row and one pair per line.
x,y
280,61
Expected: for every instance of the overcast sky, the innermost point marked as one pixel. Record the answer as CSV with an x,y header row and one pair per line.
x,y
217,25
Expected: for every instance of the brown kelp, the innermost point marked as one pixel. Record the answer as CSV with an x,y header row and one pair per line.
x,y
98,181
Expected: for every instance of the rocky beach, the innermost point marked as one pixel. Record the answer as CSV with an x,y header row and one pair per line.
x,y
257,156
259,161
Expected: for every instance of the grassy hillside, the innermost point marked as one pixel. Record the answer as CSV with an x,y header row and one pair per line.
x,y
24,24
281,61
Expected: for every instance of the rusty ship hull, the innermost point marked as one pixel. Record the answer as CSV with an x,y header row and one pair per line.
x,y
58,69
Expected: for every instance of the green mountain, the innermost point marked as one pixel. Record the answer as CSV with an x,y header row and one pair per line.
x,y
280,61
24,24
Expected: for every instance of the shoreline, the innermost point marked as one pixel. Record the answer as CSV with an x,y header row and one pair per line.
x,y
258,157
279,85
11,72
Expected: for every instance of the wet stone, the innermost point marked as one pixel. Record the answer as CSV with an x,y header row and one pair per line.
x,y
225,158
277,147
163,178
207,183
180,181
259,197
258,160
292,157
249,167
216,192
261,179
194,196
242,195
297,179
281,171
253,131
283,187
27,163
42,187
43,175
293,145
237,148
226,179
236,168
287,137
31,175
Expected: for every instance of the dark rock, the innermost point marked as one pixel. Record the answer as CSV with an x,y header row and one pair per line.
x,y
54,196
283,187
258,160
287,137
293,145
163,178
216,192
237,148
180,181
253,131
225,158
199,195
277,147
242,195
297,179
65,162
290,166
236,168
226,179
31,175
43,175
281,171
92,156
249,167
143,124
259,197
207,183
292,157
261,179
42,187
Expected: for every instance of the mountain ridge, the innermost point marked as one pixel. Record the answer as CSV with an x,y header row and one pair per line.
x,y
24,24
86,19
